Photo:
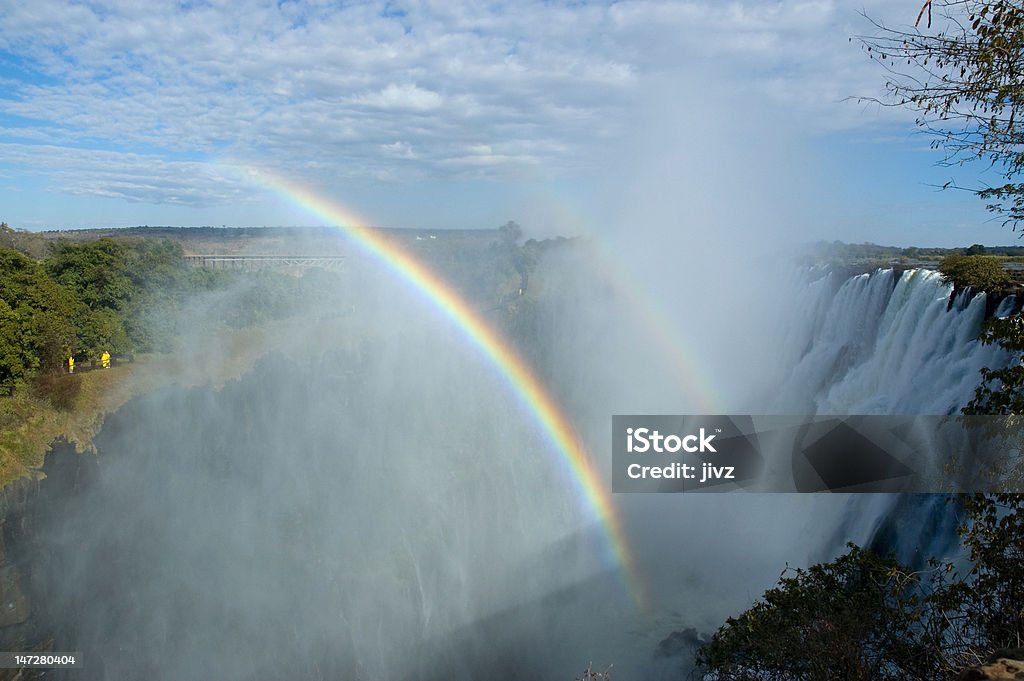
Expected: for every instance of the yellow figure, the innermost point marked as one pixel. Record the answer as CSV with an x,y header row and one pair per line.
x,y
105,359
71,364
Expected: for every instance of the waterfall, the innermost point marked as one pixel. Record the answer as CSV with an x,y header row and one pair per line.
x,y
886,344
883,343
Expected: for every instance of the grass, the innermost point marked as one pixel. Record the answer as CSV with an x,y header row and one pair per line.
x,y
31,423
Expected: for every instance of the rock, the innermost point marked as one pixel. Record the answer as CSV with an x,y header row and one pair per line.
x,y
997,668
14,606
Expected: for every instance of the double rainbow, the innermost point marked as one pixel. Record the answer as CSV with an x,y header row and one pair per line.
x,y
521,379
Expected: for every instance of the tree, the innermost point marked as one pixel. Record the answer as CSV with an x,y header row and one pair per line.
x,y
964,80
16,358
130,289
36,319
522,258
979,272
97,270
986,607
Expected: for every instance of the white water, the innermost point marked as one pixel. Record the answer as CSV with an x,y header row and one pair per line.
x,y
869,347
884,343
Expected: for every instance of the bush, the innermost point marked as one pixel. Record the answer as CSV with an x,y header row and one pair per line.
x,y
59,389
854,618
863,616
979,272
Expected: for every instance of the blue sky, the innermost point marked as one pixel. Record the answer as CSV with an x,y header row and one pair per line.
x,y
466,114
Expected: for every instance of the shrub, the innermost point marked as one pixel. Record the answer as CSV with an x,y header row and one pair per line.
x,y
865,617
980,272
59,389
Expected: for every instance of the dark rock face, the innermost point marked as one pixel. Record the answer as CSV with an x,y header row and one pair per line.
x,y
26,507
14,606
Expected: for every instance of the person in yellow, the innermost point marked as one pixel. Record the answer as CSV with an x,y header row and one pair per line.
x,y
71,364
105,359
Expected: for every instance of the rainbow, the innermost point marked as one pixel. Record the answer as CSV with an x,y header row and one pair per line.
x,y
508,362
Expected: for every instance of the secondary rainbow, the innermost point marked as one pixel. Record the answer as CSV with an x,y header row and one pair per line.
x,y
520,377
701,395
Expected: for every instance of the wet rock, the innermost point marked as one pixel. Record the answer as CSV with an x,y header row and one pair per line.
x,y
14,605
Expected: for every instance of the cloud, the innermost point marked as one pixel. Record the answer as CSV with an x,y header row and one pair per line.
x,y
398,149
130,177
401,97
300,83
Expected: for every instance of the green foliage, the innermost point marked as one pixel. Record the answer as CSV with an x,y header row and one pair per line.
x,y
133,295
100,330
1001,393
1002,390
986,608
130,290
119,296
36,319
867,256
964,81
863,616
979,272
854,618
16,359
95,270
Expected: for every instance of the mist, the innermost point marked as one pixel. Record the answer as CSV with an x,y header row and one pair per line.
x,y
365,495
371,500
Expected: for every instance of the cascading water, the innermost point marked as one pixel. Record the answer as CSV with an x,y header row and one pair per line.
x,y
888,343
884,343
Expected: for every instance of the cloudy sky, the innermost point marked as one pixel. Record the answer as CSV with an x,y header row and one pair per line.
x,y
465,114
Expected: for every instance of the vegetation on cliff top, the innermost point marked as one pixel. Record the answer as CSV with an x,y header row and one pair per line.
x,y
864,616
979,272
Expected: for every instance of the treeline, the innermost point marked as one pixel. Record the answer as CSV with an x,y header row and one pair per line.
x,y
838,251
116,296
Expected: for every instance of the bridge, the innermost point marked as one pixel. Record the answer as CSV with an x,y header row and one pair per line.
x,y
253,262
